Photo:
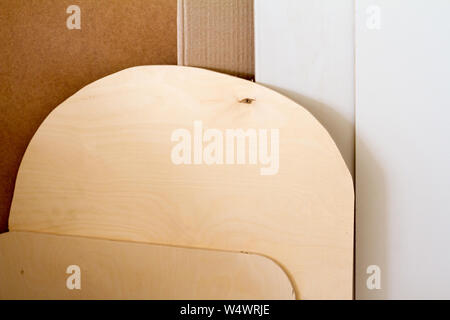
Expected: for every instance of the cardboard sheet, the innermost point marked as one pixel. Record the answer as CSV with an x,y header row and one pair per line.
x,y
42,62
217,35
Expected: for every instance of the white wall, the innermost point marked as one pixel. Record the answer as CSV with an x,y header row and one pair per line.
x,y
304,49
403,148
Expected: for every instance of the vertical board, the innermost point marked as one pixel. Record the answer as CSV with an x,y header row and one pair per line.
x,y
304,49
402,153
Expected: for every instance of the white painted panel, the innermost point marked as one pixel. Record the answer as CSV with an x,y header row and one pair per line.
x,y
304,49
402,147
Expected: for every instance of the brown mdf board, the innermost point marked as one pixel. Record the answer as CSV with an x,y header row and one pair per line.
x,y
104,164
37,266
42,62
217,35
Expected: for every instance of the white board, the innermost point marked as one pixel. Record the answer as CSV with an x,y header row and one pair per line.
x,y
304,49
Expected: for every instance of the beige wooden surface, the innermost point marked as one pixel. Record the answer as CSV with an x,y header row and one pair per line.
x,y
100,166
33,266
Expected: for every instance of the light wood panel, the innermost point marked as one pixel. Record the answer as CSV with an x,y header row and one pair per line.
x,y
100,166
33,266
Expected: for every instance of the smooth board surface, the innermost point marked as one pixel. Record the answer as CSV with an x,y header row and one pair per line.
x,y
101,165
304,49
34,266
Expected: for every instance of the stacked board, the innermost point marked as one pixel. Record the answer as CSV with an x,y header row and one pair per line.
x,y
180,156
37,266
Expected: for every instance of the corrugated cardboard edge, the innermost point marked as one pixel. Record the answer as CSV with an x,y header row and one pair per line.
x,y
180,33
217,35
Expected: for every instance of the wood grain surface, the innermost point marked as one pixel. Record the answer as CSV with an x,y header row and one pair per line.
x,y
34,265
100,166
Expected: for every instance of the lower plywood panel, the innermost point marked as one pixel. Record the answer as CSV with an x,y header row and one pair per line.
x,y
33,266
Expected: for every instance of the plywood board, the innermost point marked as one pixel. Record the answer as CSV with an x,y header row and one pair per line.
x,y
34,266
101,166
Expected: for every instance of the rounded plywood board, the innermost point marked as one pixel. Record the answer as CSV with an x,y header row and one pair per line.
x,y
34,266
159,154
